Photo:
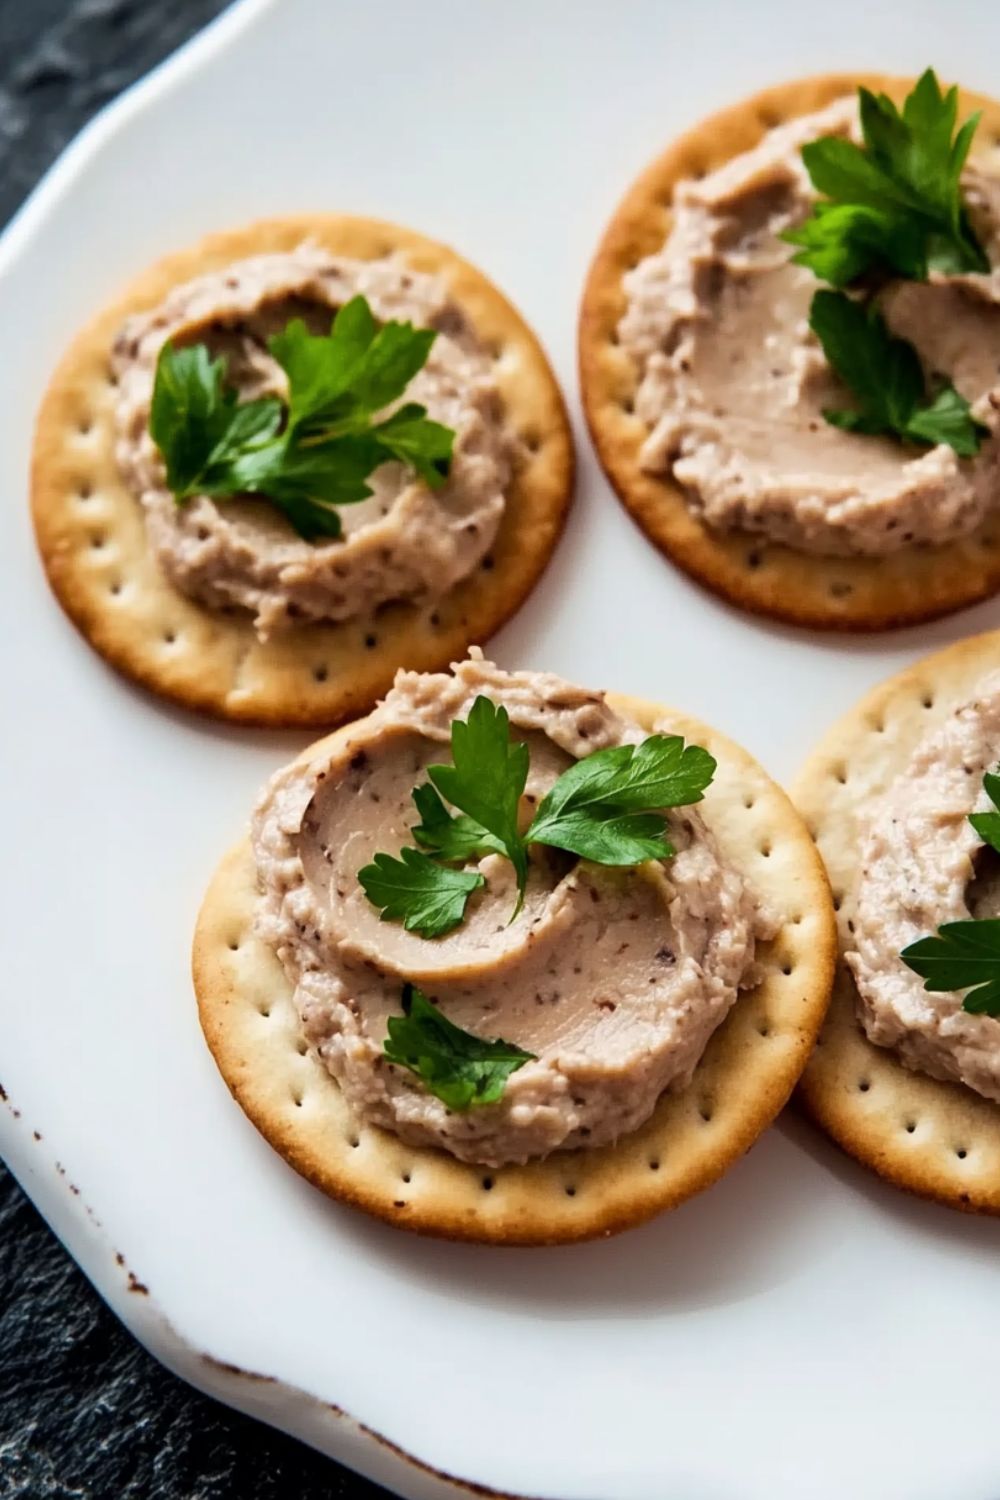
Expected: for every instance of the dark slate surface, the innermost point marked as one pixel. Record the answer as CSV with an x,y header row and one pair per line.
x,y
85,1414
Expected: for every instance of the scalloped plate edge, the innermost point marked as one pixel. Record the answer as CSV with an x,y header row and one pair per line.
x,y
63,1205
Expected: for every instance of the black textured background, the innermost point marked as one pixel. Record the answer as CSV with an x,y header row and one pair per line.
x,y
85,1414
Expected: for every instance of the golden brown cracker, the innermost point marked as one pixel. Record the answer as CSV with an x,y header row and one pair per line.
x,y
852,593
744,1078
940,1140
92,535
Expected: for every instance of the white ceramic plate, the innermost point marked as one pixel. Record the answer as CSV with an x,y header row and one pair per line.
x,y
798,1331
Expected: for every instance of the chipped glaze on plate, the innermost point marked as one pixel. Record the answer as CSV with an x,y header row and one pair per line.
x,y
776,1336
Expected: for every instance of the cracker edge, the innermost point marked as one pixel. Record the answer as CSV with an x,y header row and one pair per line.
x,y
532,1220
939,683
883,593
283,689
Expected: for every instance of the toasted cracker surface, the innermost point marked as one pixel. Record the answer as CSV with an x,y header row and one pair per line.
x,y
744,1078
940,1140
92,535
853,593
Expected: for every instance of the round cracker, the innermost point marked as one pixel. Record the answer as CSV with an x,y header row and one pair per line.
x,y
92,535
833,593
939,1140
747,1073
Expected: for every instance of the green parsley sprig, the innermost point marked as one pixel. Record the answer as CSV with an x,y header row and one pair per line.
x,y
462,1070
428,898
965,955
607,807
987,824
485,781
961,955
893,204
316,451
885,377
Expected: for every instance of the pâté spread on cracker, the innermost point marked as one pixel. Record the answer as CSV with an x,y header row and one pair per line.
x,y
510,960
903,797
293,459
790,351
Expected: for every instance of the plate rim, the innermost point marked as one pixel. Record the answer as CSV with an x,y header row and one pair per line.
x,y
325,1426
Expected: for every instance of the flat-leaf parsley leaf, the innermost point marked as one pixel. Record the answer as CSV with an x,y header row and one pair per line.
x,y
487,778
961,955
316,451
462,1070
893,204
428,898
448,837
966,954
600,808
987,824
607,807
885,377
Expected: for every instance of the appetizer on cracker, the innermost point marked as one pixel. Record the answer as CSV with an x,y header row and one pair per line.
x,y
509,960
903,798
791,372
294,459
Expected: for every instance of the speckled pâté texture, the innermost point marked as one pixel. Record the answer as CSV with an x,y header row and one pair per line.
x,y
85,1413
